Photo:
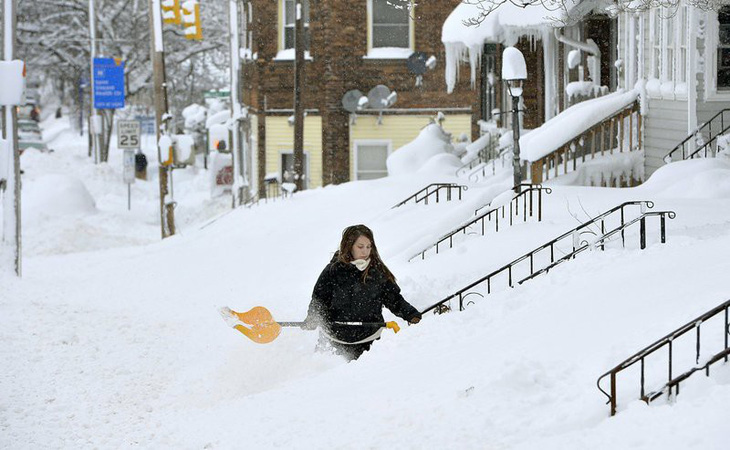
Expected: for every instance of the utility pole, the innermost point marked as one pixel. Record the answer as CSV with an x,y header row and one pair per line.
x,y
95,127
11,199
167,208
239,174
298,106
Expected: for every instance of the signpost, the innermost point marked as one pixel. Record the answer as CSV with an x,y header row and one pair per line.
x,y
128,139
108,83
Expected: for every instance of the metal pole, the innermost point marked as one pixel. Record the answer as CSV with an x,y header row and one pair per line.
x,y
238,185
167,212
298,106
94,115
516,143
11,199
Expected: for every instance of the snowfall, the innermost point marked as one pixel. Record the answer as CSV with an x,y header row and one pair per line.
x,y
112,337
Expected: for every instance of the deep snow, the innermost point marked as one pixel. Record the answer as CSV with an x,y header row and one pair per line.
x,y
112,339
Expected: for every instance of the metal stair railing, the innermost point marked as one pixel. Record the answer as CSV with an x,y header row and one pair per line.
x,y
504,156
434,189
490,151
703,137
525,195
579,244
598,138
669,342
272,192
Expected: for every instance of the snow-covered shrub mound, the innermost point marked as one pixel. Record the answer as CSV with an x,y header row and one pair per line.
x,y
195,115
694,178
55,195
431,141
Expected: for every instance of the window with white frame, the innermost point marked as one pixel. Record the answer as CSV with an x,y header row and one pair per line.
x,y
682,36
723,49
289,16
370,160
668,35
390,26
655,33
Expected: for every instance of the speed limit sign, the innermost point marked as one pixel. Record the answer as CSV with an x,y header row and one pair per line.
x,y
128,134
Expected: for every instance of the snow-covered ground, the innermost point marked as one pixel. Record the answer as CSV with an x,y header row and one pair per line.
x,y
112,338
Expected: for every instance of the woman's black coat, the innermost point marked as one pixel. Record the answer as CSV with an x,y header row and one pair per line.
x,y
340,295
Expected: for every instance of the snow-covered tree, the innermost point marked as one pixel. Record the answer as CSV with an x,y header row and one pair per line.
x,y
53,38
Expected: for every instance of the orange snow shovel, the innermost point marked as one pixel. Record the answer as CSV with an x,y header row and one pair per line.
x,y
264,329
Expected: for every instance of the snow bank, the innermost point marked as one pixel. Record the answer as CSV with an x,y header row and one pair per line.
x,y
431,141
55,195
694,178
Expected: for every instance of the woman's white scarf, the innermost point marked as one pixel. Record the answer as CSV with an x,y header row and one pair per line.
x,y
361,264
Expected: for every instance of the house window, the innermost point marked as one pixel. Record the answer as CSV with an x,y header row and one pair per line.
x,y
370,160
655,32
723,49
390,26
287,168
289,12
682,30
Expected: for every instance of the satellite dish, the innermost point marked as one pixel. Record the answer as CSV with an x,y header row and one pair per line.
x,y
416,63
351,101
378,97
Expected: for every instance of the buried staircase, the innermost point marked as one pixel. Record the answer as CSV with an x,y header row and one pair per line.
x,y
678,341
595,233
616,138
528,202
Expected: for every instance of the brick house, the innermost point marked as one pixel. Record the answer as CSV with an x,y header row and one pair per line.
x,y
354,44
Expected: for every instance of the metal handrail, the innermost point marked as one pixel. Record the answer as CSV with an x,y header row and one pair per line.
x,y
273,192
487,153
578,246
698,133
429,193
494,214
668,340
576,147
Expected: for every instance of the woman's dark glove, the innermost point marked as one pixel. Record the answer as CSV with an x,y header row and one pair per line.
x,y
414,320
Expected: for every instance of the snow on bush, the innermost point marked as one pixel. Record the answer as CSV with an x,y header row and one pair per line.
x,y
431,141
56,195
194,115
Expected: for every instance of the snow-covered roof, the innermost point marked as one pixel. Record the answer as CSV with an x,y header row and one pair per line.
x,y
505,24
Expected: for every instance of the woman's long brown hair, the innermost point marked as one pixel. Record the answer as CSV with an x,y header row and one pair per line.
x,y
344,254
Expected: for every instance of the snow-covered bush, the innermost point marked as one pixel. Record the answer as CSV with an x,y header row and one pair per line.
x,y
432,141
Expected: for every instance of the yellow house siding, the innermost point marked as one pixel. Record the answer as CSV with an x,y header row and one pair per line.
x,y
400,130
280,139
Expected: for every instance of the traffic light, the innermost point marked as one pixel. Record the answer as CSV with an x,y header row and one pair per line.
x,y
191,20
171,11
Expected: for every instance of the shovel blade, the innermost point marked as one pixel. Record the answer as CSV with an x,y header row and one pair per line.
x,y
262,333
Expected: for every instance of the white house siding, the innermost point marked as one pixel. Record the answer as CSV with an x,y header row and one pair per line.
x,y
665,125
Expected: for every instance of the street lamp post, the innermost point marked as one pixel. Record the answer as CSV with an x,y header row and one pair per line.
x,y
514,72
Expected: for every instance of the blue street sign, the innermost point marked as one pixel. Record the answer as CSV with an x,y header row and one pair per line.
x,y
108,83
